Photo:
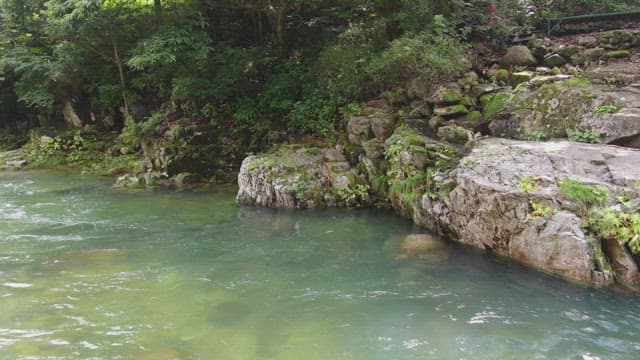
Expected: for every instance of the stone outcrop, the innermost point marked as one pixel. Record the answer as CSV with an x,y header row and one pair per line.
x,y
504,196
300,177
13,160
490,208
559,108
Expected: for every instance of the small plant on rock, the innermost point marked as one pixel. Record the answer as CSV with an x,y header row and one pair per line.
x,y
584,195
526,184
537,136
623,227
540,210
606,109
585,137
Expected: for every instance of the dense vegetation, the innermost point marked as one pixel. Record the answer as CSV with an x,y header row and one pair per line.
x,y
249,71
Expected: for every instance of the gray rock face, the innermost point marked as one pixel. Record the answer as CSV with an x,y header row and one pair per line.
x,y
489,209
557,107
298,176
614,127
518,55
13,160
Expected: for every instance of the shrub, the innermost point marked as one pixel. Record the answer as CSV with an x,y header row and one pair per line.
x,y
434,57
585,137
623,227
582,194
606,109
537,136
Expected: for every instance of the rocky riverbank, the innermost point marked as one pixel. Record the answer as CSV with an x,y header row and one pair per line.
x,y
486,160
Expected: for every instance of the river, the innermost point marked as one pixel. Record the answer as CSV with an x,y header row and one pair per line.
x,y
89,272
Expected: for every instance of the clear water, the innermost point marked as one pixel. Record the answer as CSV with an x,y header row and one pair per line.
x,y
87,272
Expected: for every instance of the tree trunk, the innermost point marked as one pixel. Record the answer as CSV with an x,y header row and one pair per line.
x,y
118,61
157,10
280,16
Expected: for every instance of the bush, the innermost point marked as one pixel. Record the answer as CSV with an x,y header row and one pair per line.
x,y
435,57
623,227
585,137
582,194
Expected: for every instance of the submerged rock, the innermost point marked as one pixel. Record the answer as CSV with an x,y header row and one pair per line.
x,y
229,313
420,245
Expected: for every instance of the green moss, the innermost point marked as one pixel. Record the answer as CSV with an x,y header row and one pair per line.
x,y
617,54
575,82
498,102
452,96
501,76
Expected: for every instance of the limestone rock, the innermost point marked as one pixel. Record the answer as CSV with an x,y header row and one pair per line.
x,y
359,129
420,245
625,268
296,176
381,125
488,209
554,60
454,134
619,128
70,116
518,55
451,110
521,77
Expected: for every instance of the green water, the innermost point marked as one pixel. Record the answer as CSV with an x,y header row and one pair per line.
x,y
87,272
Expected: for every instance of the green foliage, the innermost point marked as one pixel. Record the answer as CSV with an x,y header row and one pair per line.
x,y
623,227
434,57
606,109
498,103
44,150
354,196
582,194
527,184
300,189
585,137
313,115
352,109
538,136
541,210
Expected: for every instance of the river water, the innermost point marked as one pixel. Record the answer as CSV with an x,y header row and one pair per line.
x,y
88,272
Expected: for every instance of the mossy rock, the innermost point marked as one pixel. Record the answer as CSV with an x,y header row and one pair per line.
x,y
618,54
501,76
454,134
382,125
452,110
552,109
554,60
518,78
518,55
452,96
570,50
498,102
470,121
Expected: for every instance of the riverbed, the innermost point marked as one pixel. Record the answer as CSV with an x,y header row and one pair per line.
x,y
87,271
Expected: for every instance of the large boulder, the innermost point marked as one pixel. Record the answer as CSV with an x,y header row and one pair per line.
x,y
559,108
619,127
299,177
507,200
519,55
